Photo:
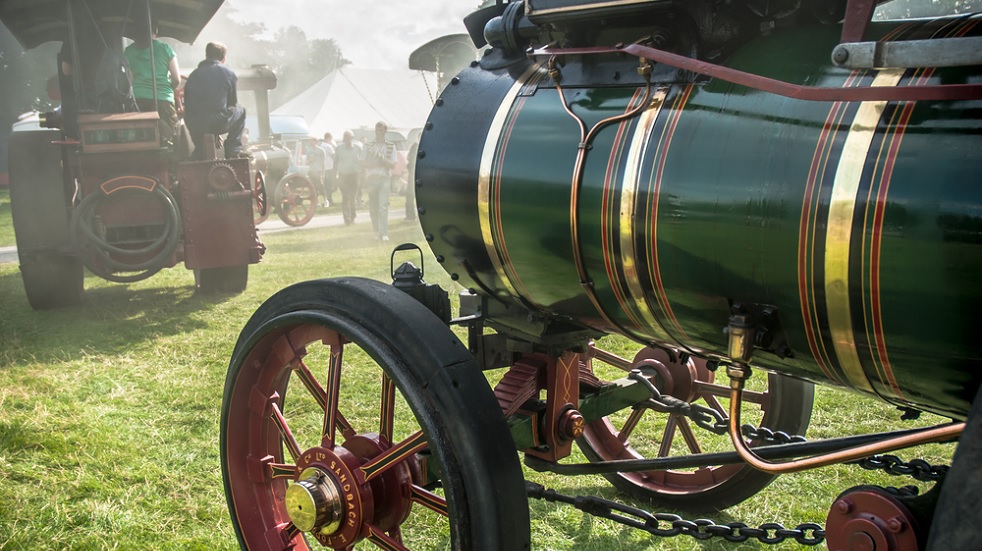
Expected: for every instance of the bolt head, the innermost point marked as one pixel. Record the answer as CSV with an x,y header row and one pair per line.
x,y
896,525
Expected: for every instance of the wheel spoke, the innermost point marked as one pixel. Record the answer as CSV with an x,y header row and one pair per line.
x,y
280,536
668,436
724,391
382,540
288,440
320,394
713,402
430,500
630,424
387,413
331,394
282,470
689,436
394,455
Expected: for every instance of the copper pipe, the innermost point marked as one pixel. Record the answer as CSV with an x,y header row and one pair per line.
x,y
938,434
584,145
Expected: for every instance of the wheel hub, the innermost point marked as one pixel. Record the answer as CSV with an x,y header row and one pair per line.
x,y
314,503
673,378
331,501
866,518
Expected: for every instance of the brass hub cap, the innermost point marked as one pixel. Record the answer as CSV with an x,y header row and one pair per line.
x,y
314,503
329,500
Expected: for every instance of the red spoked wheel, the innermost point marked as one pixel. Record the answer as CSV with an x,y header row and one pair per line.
x,y
353,416
775,402
296,199
260,207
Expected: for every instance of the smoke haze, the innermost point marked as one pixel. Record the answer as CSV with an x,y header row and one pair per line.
x,y
376,34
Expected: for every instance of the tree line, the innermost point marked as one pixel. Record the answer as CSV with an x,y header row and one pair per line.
x,y
297,60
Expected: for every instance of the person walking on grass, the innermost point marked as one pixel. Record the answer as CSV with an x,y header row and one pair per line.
x,y
347,166
380,157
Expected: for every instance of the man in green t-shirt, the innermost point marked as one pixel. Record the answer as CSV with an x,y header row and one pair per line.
x,y
167,78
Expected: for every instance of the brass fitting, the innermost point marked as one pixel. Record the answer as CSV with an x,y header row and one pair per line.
x,y
571,425
741,339
314,503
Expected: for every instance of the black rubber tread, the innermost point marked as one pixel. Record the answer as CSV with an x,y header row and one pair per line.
x,y
222,280
959,512
443,386
40,205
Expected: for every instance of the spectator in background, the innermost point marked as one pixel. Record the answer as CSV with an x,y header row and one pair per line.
x,y
380,158
410,190
330,184
167,78
211,102
347,166
316,159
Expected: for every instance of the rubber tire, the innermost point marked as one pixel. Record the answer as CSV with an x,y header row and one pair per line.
x,y
791,403
441,382
959,511
222,280
41,209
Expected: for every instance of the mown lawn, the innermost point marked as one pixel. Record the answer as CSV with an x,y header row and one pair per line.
x,y
6,222
109,414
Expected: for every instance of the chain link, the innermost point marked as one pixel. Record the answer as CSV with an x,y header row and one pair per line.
x,y
669,525
918,469
767,436
704,417
771,533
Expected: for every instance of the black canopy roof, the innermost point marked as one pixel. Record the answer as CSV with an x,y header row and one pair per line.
x,y
34,22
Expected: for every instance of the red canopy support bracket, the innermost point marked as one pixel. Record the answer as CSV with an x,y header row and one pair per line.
x,y
858,15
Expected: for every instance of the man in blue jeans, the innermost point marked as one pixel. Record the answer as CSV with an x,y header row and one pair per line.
x,y
211,104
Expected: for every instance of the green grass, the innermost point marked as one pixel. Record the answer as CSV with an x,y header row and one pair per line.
x,y
6,222
109,414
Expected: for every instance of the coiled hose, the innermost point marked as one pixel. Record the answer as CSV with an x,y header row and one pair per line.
x,y
97,251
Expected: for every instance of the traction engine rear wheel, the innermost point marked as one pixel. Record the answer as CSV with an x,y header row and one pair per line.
x,y
296,199
777,403
40,206
260,205
352,414
225,279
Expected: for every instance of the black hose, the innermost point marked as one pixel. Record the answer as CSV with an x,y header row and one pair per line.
x,y
86,240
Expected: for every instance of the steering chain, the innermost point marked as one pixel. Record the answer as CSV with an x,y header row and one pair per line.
x,y
771,533
807,533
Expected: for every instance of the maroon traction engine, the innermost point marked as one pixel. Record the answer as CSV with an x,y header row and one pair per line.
x,y
98,187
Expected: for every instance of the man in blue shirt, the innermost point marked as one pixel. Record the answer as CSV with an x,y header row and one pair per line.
x,y
211,104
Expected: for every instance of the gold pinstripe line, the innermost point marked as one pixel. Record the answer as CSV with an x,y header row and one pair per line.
x,y
636,155
484,176
839,234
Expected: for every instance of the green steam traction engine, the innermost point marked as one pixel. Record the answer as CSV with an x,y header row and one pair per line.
x,y
728,184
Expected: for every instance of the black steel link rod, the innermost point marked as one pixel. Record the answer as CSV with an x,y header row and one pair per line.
x,y
778,451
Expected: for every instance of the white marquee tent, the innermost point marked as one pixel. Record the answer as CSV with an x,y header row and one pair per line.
x,y
351,98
